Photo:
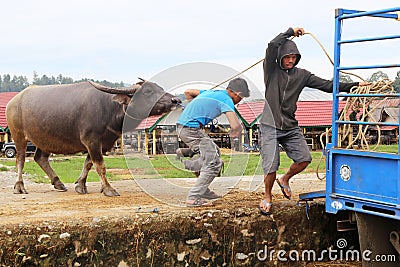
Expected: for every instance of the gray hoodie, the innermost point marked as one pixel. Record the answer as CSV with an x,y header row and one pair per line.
x,y
283,87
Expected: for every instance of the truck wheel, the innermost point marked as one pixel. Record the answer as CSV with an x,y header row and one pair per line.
x,y
10,152
374,233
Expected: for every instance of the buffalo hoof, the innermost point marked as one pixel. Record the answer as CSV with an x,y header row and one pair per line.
x,y
19,188
109,191
58,185
81,188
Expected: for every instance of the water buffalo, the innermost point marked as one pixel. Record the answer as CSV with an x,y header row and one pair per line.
x,y
81,117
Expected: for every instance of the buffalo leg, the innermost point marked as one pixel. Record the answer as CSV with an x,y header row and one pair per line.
x,y
80,184
97,159
19,187
42,159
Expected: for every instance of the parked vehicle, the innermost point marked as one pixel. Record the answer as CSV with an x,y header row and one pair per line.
x,y
10,150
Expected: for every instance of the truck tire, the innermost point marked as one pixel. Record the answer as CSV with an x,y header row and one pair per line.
x,y
374,234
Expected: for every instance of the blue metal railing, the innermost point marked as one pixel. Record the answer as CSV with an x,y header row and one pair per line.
x,y
383,13
361,181
342,14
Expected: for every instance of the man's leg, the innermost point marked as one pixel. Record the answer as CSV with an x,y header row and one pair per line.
x,y
294,169
191,137
269,181
297,149
212,164
184,152
270,162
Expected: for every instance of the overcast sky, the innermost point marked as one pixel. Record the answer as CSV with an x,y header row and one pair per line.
x,y
122,40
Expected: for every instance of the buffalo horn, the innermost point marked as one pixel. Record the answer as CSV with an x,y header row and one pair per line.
x,y
122,90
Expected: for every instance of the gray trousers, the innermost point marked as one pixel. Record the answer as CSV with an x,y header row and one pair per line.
x,y
292,141
208,163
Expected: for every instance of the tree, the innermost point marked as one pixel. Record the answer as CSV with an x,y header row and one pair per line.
x,y
35,78
377,76
104,82
64,80
6,85
19,83
396,83
16,84
45,80
59,79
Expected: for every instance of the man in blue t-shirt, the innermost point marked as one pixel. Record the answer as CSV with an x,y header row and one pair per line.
x,y
204,106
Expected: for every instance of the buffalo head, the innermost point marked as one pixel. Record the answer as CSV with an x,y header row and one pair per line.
x,y
143,99
150,99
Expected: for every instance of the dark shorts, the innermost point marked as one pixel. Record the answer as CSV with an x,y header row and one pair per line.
x,y
292,141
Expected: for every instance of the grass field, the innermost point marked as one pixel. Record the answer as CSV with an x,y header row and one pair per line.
x,y
160,166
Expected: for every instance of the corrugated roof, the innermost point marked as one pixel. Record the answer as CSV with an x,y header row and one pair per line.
x,y
249,111
148,122
315,113
5,97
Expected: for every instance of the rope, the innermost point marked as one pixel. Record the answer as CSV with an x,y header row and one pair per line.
x,y
330,59
355,104
261,60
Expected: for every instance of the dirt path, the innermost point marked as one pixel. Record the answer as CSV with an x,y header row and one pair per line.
x,y
44,203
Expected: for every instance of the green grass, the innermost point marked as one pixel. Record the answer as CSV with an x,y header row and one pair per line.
x,y
161,166
387,148
3,168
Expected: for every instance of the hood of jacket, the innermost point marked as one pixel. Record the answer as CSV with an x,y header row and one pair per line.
x,y
287,48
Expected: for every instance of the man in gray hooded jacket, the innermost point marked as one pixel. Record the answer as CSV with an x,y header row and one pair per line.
x,y
278,125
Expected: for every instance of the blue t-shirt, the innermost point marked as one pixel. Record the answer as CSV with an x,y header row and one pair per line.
x,y
208,105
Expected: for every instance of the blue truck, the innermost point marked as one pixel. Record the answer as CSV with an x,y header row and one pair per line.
x,y
364,184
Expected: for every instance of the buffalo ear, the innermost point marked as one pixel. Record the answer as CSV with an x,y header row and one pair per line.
x,y
122,99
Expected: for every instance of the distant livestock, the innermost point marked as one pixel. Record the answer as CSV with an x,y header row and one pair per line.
x,y
81,117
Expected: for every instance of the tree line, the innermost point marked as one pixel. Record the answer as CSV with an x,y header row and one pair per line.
x,y
18,83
